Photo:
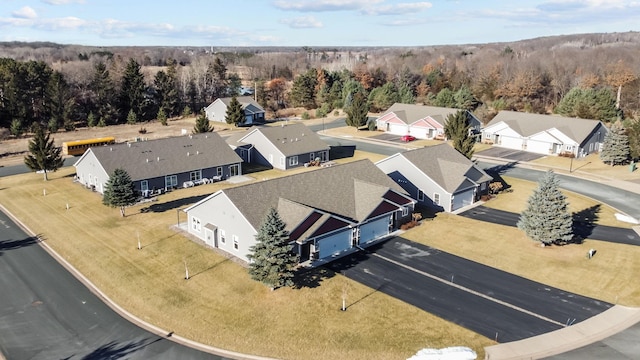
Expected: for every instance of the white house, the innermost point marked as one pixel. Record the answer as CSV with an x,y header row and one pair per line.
x,y
253,112
545,134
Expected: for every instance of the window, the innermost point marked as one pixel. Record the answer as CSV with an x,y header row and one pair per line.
x,y
171,181
436,198
222,238
590,147
405,211
311,156
293,160
236,244
195,223
420,195
324,156
144,185
219,171
569,147
282,161
234,170
195,175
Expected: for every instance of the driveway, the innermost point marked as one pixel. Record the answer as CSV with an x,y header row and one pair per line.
x,y
390,137
490,302
509,154
585,230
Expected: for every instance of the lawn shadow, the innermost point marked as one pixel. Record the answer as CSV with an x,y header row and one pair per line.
x,y
173,204
341,151
17,244
497,171
159,240
584,221
210,268
248,168
312,278
114,350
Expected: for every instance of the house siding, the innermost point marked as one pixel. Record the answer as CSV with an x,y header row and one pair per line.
x,y
228,220
216,111
262,148
90,173
209,173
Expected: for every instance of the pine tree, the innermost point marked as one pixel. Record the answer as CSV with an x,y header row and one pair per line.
x,y
457,129
272,261
162,117
132,118
44,155
202,124
132,89
358,110
633,132
235,113
119,191
546,218
615,147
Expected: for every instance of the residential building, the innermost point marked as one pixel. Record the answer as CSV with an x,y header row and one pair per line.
x,y
253,112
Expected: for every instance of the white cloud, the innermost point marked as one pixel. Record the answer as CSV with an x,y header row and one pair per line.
x,y
62,2
304,22
398,9
324,5
25,12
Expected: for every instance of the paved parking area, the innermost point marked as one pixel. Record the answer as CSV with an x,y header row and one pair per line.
x,y
509,154
389,137
488,301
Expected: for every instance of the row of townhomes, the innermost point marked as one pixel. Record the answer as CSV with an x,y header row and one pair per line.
x,y
335,209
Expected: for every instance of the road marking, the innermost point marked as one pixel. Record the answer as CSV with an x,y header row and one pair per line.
x,y
447,282
5,224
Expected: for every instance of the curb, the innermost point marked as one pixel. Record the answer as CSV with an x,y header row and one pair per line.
x,y
168,335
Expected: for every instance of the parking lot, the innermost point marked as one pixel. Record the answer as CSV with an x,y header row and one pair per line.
x,y
389,137
509,154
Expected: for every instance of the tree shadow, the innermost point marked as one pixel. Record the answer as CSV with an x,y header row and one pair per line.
x,y
159,240
584,221
174,204
497,171
341,151
11,244
113,350
210,267
312,278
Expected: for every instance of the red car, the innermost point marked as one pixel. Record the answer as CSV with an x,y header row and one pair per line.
x,y
407,138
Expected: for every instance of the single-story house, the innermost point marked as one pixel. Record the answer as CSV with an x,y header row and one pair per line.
x,y
437,176
253,112
161,164
545,134
422,122
327,211
282,147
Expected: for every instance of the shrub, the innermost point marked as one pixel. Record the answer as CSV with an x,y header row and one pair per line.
x,y
305,116
142,130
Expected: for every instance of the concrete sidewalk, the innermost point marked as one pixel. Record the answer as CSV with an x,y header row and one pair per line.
x,y
597,328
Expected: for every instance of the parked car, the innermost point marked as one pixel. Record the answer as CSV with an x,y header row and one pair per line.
x,y
407,138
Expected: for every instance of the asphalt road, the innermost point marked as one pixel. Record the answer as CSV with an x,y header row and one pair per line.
x,y
490,302
46,313
590,231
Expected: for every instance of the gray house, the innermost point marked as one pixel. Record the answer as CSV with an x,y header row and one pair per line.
x,y
281,147
437,176
422,122
327,211
161,164
253,112
545,134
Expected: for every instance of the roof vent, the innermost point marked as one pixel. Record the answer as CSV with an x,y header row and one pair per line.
x,y
158,158
110,149
129,144
198,152
296,139
188,153
147,159
190,136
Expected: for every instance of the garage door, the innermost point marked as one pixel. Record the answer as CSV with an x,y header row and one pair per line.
x,y
334,244
419,132
397,129
511,142
538,147
462,199
374,229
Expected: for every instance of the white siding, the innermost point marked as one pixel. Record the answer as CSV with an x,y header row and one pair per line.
x,y
90,172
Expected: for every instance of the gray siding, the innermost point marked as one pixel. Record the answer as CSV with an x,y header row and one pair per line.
x,y
592,143
159,182
263,149
216,111
230,222
89,172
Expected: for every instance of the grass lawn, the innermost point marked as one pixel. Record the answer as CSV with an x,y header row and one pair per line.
x,y
220,305
590,164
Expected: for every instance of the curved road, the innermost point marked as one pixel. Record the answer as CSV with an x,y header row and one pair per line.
x,y
46,313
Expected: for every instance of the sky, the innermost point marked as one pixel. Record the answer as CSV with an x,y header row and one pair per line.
x,y
315,23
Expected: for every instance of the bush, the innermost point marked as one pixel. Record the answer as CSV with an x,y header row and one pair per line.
x,y
305,116
186,111
409,225
371,125
142,130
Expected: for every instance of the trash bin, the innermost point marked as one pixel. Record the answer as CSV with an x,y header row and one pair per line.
x,y
632,167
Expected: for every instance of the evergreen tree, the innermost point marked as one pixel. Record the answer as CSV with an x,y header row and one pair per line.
x,y
633,133
119,191
358,110
457,129
91,120
588,104
202,124
303,90
546,218
103,95
44,155
132,90
16,129
272,261
131,117
162,117
615,148
383,97
235,113
445,98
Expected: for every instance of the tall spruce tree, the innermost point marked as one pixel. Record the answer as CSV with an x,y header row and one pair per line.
x,y
272,261
235,113
119,191
546,218
44,155
358,110
457,129
133,89
202,124
615,148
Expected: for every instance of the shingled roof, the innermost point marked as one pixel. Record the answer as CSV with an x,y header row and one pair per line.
x,y
290,139
410,113
243,100
447,167
352,191
160,157
527,124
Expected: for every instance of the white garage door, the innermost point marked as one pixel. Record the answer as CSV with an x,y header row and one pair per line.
x,y
538,147
462,199
419,132
511,142
334,244
374,229
397,129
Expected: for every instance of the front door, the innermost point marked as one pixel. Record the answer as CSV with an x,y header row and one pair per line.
x,y
210,238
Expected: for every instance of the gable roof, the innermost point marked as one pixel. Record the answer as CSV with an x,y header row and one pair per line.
x,y
527,124
410,113
245,101
160,157
351,191
290,139
447,167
